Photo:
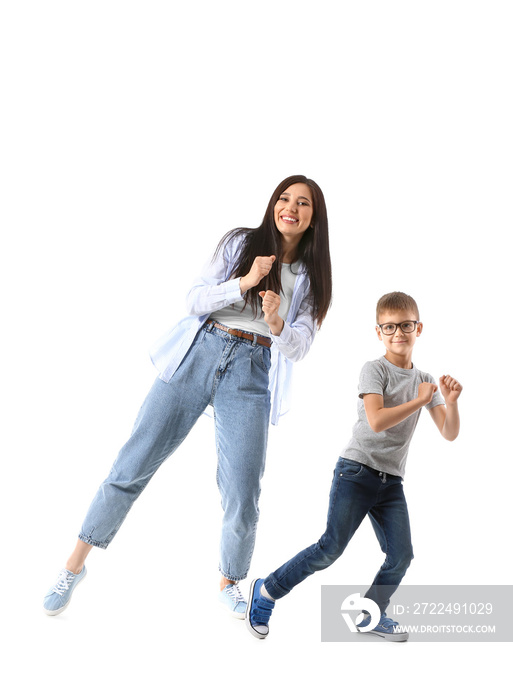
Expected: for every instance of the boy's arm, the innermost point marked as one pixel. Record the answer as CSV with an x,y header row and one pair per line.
x,y
447,418
381,418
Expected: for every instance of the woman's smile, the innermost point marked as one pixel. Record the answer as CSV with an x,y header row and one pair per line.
x,y
293,212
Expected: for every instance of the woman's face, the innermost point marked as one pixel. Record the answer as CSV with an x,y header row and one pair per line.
x,y
293,212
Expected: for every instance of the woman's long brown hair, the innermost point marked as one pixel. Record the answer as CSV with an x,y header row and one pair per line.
x,y
313,251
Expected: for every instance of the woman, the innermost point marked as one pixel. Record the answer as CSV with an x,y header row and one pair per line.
x,y
255,309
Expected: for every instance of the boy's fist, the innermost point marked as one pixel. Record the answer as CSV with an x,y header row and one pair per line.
x,y
426,391
450,388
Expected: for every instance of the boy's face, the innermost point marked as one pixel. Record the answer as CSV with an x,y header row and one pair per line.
x,y
399,345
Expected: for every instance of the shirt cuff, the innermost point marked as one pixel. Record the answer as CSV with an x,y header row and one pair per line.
x,y
285,335
233,292
225,293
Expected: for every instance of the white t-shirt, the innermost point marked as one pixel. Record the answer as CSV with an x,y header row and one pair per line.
x,y
233,316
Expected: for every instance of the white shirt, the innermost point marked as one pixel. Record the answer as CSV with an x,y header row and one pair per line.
x,y
214,290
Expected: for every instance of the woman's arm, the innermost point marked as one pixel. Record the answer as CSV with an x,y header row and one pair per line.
x,y
294,339
212,290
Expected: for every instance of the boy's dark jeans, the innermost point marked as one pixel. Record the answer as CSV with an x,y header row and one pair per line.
x,y
355,492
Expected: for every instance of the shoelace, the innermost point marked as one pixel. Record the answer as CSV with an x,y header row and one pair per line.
x,y
233,591
63,582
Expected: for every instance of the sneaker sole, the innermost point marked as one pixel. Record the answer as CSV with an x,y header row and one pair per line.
x,y
59,610
253,631
233,613
399,637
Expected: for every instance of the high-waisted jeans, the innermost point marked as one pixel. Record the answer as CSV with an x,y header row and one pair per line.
x,y
231,375
356,491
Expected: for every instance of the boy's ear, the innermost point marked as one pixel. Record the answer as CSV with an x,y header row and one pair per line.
x,y
378,331
419,328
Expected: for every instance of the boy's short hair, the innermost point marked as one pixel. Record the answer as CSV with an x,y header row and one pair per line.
x,y
397,301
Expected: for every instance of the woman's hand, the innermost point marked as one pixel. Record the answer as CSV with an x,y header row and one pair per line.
x,y
261,268
270,307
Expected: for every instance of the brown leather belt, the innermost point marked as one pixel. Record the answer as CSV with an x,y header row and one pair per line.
x,y
259,339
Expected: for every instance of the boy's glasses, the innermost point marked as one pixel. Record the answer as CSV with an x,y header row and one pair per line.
x,y
391,328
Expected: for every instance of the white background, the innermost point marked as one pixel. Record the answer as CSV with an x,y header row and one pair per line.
x,y
133,136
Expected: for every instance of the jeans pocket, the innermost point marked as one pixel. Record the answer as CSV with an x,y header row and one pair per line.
x,y
262,356
349,467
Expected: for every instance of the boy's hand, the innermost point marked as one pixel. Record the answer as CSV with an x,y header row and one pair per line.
x,y
426,391
450,388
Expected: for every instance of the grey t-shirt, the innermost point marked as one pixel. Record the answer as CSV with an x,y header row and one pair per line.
x,y
387,450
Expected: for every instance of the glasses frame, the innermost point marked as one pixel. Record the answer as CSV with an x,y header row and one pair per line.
x,y
396,326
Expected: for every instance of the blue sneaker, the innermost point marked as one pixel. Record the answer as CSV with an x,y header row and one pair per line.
x,y
232,599
386,628
57,599
259,611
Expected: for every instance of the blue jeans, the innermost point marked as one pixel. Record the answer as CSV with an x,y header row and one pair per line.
x,y
230,374
355,492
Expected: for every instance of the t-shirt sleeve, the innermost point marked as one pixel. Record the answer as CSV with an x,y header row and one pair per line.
x,y
438,399
372,379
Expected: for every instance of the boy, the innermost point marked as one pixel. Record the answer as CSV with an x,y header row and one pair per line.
x,y
368,475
